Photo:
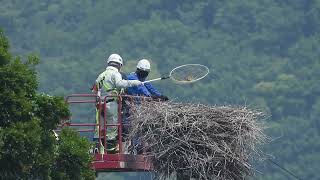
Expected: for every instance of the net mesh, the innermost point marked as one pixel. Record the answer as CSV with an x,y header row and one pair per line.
x,y
189,73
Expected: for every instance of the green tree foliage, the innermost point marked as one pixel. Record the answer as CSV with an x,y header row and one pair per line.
x,y
28,148
264,54
73,161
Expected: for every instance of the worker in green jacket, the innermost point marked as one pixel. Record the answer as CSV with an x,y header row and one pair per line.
x,y
110,83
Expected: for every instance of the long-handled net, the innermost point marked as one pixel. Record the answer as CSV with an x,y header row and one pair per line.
x,y
187,73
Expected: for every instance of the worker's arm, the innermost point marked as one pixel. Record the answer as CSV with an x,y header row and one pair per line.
x,y
100,79
142,90
151,89
120,83
139,90
155,93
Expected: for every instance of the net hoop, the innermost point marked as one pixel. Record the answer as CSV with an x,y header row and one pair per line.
x,y
189,73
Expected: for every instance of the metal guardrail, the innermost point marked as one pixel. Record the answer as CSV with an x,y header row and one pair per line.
x,y
101,107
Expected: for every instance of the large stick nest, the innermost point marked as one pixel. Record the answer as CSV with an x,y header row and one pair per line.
x,y
196,140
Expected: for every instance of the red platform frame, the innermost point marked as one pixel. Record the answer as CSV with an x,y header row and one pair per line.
x,y
104,161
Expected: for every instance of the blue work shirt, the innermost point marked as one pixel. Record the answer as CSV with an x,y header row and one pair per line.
x,y
143,90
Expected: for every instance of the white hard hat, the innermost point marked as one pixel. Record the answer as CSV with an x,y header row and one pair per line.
x,y
144,65
115,58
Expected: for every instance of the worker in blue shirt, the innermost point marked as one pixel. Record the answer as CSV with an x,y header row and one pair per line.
x,y
146,89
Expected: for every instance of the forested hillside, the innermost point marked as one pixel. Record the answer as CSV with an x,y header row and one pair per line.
x,y
264,54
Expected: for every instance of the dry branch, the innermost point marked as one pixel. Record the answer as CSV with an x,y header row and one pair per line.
x,y
200,141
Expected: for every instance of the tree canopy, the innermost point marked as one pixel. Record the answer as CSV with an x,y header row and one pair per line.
x,y
28,147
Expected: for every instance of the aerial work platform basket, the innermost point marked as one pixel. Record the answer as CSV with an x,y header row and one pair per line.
x,y
121,161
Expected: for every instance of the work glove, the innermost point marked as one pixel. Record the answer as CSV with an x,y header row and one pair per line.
x,y
160,98
155,98
164,98
135,82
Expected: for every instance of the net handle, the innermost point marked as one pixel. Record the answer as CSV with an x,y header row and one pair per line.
x,y
157,79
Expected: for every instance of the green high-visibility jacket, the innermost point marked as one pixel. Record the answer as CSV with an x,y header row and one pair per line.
x,y
111,80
